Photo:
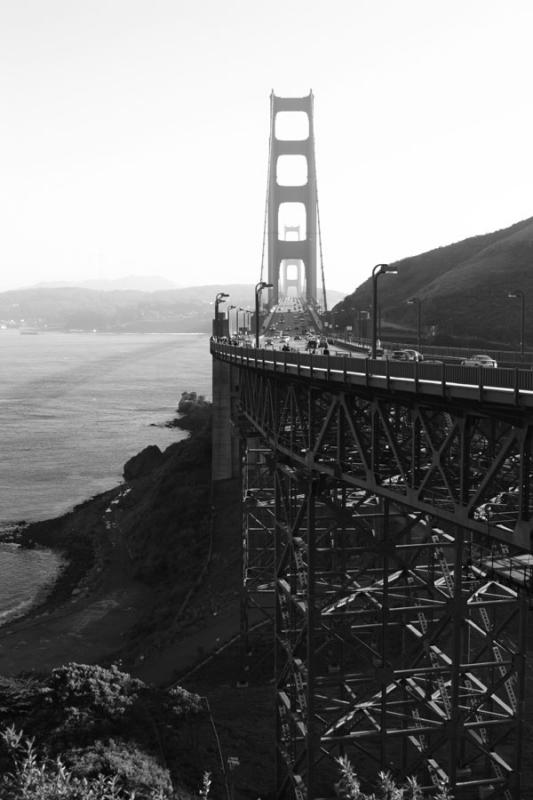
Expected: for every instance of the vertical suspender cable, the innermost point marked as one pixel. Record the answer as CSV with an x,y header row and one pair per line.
x,y
321,256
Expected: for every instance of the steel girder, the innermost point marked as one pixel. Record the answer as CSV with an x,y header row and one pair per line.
x,y
466,464
258,522
399,631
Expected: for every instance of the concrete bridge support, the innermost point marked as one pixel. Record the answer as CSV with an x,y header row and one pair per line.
x,y
225,438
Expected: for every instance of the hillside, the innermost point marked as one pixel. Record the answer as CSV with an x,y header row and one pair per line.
x,y
153,584
462,289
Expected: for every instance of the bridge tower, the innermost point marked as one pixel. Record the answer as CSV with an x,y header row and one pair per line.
x,y
292,193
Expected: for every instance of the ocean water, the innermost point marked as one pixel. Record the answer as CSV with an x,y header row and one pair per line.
x,y
73,408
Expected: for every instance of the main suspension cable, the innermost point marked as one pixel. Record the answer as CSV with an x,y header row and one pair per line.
x,y
325,304
265,218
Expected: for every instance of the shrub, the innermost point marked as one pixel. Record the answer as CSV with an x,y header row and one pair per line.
x,y
349,788
103,722
81,686
33,778
133,768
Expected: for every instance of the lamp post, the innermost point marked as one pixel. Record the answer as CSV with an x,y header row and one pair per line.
x,y
247,316
229,319
518,293
220,298
416,301
258,289
379,269
362,318
237,319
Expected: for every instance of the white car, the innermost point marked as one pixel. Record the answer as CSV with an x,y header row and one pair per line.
x,y
406,355
479,361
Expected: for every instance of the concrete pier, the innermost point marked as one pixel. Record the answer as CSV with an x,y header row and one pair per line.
x,y
226,453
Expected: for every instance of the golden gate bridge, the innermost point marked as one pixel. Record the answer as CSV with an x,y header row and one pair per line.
x,y
387,522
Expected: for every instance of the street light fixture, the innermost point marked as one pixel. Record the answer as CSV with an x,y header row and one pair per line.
x,y
379,269
258,289
220,298
416,301
247,318
519,294
237,319
362,319
229,319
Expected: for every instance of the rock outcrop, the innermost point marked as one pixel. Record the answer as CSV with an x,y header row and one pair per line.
x,y
143,463
189,401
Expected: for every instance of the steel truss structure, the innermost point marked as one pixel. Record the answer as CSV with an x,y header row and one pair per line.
x,y
258,522
399,579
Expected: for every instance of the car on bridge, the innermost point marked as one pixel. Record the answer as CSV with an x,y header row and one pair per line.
x,y
406,355
479,361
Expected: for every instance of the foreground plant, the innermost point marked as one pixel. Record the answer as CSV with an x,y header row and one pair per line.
x,y
37,778
349,787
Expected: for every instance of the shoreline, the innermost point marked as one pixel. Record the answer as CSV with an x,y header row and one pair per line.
x,y
111,599
85,613
74,567
27,609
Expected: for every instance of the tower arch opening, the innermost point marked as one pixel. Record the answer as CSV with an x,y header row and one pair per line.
x,y
291,125
292,216
292,170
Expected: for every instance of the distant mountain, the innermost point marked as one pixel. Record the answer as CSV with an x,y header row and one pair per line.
x,y
167,310
125,309
463,290
141,283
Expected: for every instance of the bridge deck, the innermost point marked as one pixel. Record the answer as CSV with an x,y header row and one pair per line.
x,y
508,387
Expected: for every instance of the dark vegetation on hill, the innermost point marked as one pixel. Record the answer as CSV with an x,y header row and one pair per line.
x,y
97,717
123,720
160,518
462,288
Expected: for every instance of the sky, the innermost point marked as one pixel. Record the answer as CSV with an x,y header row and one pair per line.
x,y
134,133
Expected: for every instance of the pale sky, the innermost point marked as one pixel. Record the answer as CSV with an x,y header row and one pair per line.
x,y
134,133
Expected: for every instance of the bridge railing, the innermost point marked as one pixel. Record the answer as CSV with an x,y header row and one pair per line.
x,y
508,386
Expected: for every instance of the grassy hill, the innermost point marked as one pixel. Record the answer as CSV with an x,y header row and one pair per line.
x,y
462,288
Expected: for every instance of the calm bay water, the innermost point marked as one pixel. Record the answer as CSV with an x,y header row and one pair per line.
x,y
73,408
